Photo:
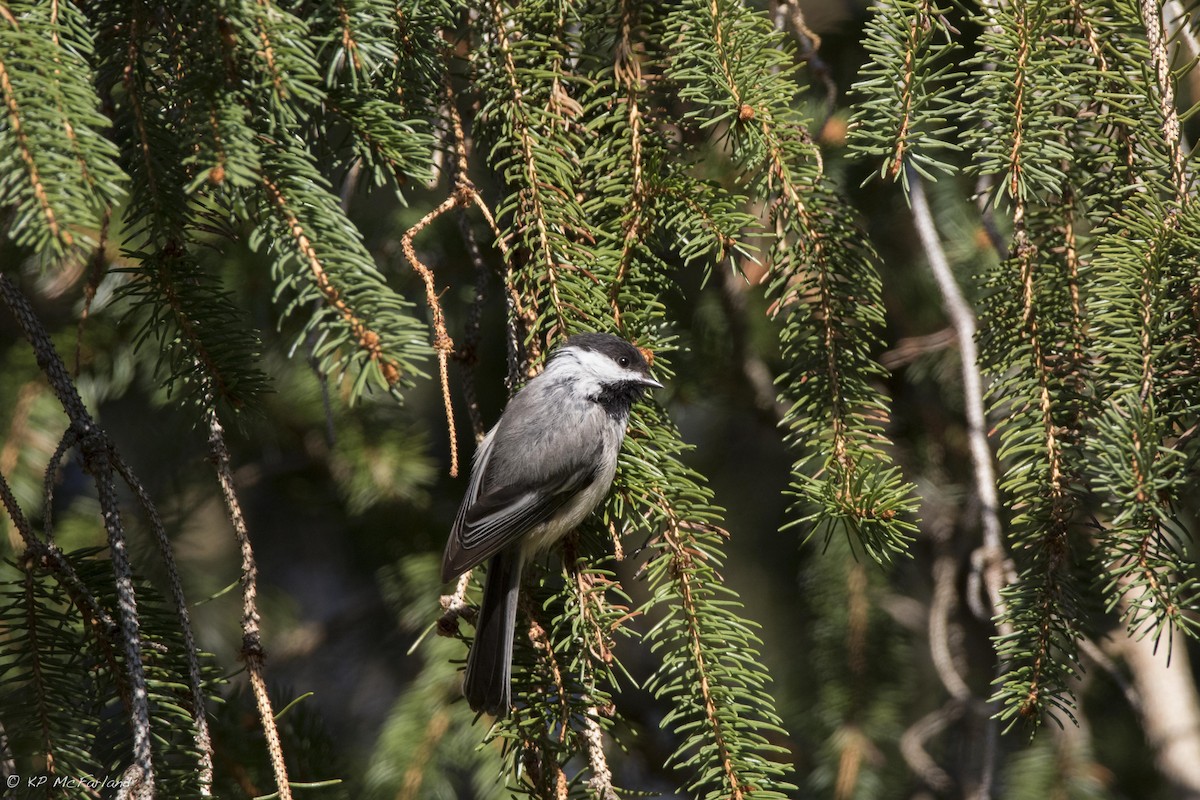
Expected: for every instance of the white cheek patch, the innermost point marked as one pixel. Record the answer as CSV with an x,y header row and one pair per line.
x,y
603,368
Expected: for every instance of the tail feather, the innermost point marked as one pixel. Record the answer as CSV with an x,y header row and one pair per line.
x,y
487,684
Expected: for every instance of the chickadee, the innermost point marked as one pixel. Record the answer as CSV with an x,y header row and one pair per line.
x,y
545,465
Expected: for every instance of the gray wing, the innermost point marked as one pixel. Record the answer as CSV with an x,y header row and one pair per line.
x,y
504,500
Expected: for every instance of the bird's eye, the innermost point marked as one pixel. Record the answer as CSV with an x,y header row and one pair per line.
x,y
623,361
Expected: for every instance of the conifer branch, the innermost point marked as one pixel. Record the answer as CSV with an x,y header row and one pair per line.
x,y
530,196
15,120
62,170
1022,36
1049,516
367,340
628,71
682,555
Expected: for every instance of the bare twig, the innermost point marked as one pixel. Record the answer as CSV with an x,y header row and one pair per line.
x,y
600,784
788,14
442,342
910,348
252,649
1170,710
468,351
941,606
1152,20
454,606
912,745
203,738
68,440
962,319
48,556
1093,652
994,565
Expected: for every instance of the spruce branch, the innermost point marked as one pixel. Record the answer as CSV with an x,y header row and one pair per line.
x,y
628,72
1041,665
52,129
530,118
278,42
1018,123
363,322
710,670
823,281
901,116
674,539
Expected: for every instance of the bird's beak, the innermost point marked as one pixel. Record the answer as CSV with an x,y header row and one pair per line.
x,y
648,381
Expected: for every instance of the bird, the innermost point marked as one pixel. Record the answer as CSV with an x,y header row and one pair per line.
x,y
538,473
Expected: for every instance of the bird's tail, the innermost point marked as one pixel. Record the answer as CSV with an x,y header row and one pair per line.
x,y
489,666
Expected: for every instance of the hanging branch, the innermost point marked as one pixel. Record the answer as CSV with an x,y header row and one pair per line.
x,y
443,345
995,566
901,119
99,459
998,572
175,585
52,133
824,280
252,650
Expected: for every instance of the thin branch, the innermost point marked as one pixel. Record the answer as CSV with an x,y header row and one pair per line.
x,y
754,370
994,564
910,348
442,342
454,606
252,649
202,737
1170,709
789,14
51,558
912,745
962,319
600,783
1152,20
468,352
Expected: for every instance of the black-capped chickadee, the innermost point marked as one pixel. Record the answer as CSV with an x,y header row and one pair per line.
x,y
545,465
